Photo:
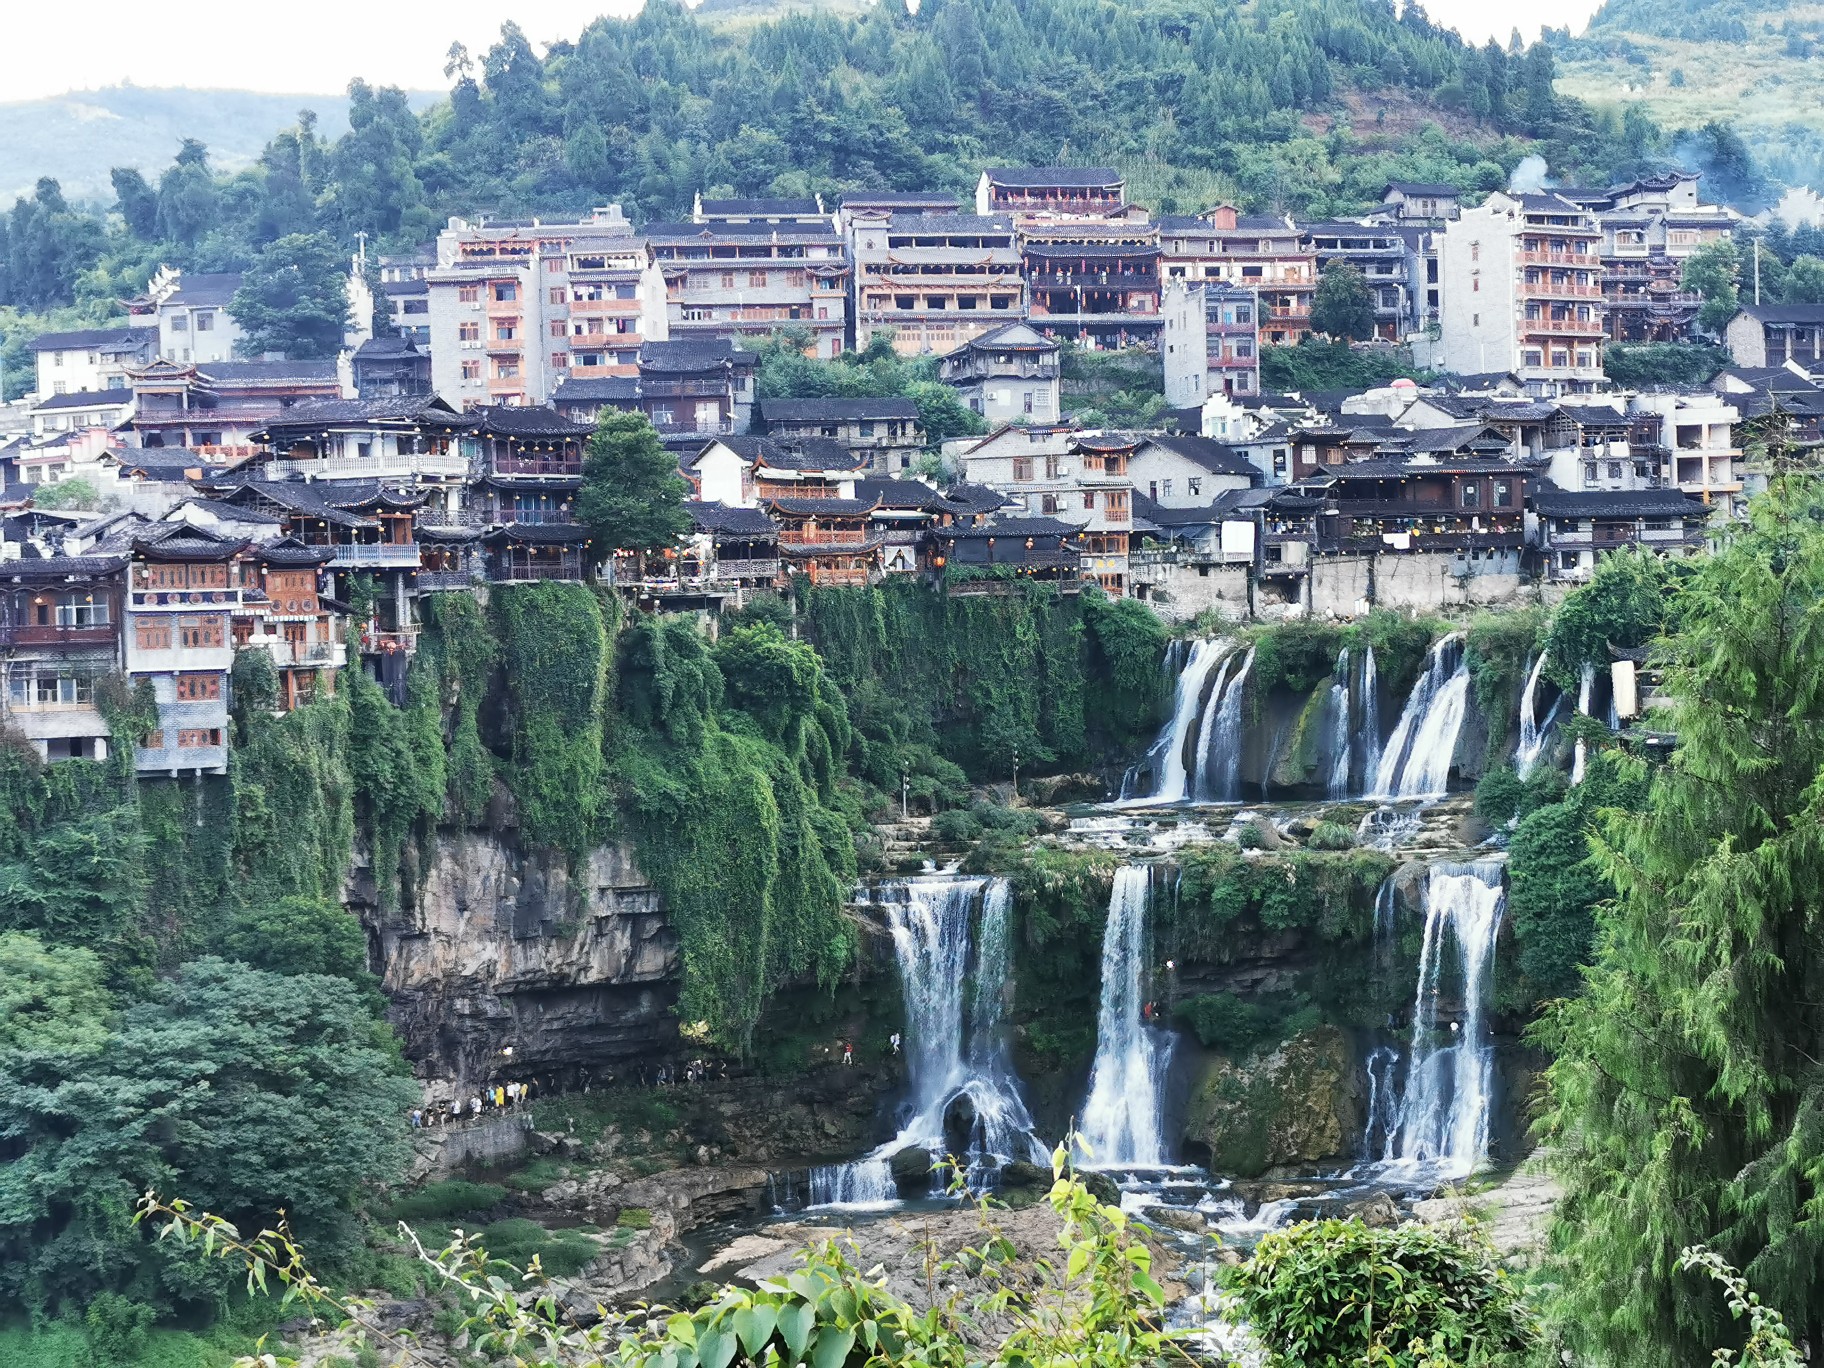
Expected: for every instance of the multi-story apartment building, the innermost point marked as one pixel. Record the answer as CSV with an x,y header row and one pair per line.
x,y
60,622
1766,335
774,211
933,281
728,277
1211,342
1388,263
91,359
1417,202
407,295
1522,292
1696,435
1266,255
517,306
1010,374
1095,283
883,432
1650,227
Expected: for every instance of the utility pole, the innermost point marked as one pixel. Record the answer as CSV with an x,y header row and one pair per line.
x,y
1016,778
905,791
1754,244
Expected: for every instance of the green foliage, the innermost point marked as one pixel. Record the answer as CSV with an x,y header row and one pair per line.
x,y
632,497
294,299
1499,650
76,493
1639,365
294,821
1330,836
1343,307
1633,597
396,761
1334,1294
1686,1099
874,372
1714,271
1237,1026
300,936
459,644
1316,364
517,1242
260,1090
439,1202
554,651
732,811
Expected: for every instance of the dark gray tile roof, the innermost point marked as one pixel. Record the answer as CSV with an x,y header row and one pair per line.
x,y
1206,452
731,521
1553,502
834,409
99,339
1043,177
86,399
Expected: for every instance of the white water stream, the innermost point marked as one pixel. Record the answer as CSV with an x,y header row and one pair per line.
x,y
1124,1117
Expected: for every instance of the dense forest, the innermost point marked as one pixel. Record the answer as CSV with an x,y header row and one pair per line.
x,y
1300,106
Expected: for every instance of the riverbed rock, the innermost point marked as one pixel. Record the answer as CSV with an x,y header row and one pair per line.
x,y
1173,1218
1514,1213
1300,1104
911,1167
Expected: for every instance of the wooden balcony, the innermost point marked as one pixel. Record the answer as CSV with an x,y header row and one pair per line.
x,y
829,537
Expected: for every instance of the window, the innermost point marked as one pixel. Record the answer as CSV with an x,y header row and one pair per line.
x,y
198,688
468,294
554,265
1472,494
506,330
152,634
1049,504
1614,470
1196,485
155,740
199,632
1589,472
1504,494
415,306
1089,498
205,321
179,323
728,280
197,738
556,328
505,292
468,332
1022,468
1167,487
60,387
56,358
560,361
556,294
506,370
83,613
471,370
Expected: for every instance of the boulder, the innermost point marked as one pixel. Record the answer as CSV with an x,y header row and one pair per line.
x,y
1173,1218
1299,1104
911,1167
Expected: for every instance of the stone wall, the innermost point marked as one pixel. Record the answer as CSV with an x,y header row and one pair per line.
x,y
1179,592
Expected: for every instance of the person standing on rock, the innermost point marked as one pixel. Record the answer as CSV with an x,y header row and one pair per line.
x,y
475,1104
893,1040
848,1054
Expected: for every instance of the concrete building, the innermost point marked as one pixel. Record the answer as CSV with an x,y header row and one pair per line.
x,y
1080,478
1417,202
407,295
933,281
1767,335
194,325
1053,192
884,432
1210,343
90,359
515,307
1181,471
753,277
1266,255
1389,264
1650,228
1009,374
1522,292
1695,432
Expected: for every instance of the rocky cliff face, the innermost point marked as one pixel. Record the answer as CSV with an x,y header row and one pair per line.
x,y
1298,1105
497,948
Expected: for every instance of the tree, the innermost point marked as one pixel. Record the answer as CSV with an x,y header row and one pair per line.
x,y
1686,1103
632,497
1343,306
1804,282
1714,271
186,196
1636,365
300,936
1335,1294
255,1091
294,300
137,201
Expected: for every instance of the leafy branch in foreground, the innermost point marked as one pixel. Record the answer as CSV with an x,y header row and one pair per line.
x,y
1098,1305
1769,1342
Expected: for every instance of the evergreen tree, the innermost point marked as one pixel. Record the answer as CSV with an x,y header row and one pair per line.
x,y
1343,306
632,496
137,201
1713,271
186,196
295,299
1686,1104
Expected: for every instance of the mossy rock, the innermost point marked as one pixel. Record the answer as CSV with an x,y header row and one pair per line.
x,y
910,1167
1299,1104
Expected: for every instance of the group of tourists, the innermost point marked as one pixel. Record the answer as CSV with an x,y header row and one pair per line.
x,y
495,1099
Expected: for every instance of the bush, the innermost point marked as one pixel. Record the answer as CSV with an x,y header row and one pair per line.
x,y
517,1241
1225,1022
437,1202
956,827
116,1328
634,1218
1253,836
1436,1299
1498,796
1331,836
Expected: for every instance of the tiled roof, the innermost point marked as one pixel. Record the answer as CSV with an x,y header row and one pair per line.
x,y
528,420
974,498
268,372
539,534
1808,315
1593,415
600,389
730,520
209,288
695,354
110,398
812,508
1551,501
414,408
760,206
1013,527
56,567
835,410
905,494
1044,177
98,339
1206,452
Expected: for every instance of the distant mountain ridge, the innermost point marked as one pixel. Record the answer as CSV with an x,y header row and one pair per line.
x,y
78,137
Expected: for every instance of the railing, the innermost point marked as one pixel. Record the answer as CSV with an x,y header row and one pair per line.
x,y
33,634
832,537
844,576
372,467
746,569
1549,290
186,600
383,554
709,428
148,760
430,580
1583,260
522,572
533,465
508,515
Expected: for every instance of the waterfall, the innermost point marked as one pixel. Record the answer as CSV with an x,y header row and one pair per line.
x,y
1385,909
962,1094
1585,687
1124,1116
1338,703
1167,758
1219,776
1444,1116
1526,754
1383,1100
1371,719
1416,762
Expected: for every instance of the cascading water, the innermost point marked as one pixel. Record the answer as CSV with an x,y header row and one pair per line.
x,y
1219,776
1124,1116
1173,756
1444,1114
1532,735
1371,718
1383,1100
1416,762
955,1045
1586,687
1338,703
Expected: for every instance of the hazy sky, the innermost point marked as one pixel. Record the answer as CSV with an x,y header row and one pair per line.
x,y
315,47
